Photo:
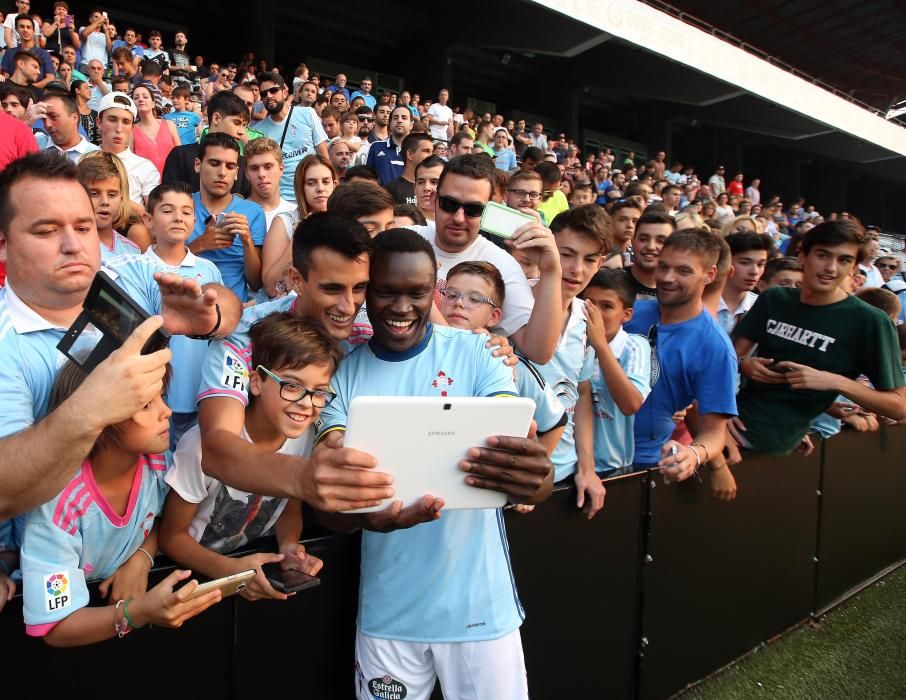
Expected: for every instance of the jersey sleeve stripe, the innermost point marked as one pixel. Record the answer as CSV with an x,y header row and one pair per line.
x,y
69,525
325,432
502,395
64,497
224,392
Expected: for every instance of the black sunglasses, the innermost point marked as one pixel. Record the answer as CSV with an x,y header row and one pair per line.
x,y
271,90
472,210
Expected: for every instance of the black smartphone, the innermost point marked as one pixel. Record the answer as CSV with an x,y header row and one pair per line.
x,y
289,581
114,314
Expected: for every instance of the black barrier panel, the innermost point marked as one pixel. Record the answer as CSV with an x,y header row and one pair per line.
x,y
578,582
863,517
725,577
148,663
303,647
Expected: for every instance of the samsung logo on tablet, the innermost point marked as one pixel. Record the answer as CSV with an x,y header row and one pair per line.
x,y
441,433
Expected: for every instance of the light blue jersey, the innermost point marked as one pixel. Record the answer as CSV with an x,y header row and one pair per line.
x,y
29,359
77,537
121,246
613,431
549,412
572,363
231,260
449,580
188,354
227,362
299,138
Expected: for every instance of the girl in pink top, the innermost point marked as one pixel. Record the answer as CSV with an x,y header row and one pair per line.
x,y
153,137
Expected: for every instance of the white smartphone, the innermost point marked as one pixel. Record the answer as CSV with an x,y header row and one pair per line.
x,y
228,585
503,221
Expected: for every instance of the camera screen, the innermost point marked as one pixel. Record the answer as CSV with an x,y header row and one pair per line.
x,y
113,316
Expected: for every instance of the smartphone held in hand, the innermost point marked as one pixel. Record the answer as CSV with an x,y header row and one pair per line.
x,y
503,221
288,580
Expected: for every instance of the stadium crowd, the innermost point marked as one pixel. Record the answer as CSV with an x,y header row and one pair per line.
x,y
302,243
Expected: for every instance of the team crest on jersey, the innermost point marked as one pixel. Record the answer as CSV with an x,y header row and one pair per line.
x,y
56,591
386,688
147,524
235,375
442,382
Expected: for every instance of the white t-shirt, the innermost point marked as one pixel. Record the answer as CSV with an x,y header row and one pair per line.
x,y
10,23
444,113
283,206
143,176
518,303
94,46
226,518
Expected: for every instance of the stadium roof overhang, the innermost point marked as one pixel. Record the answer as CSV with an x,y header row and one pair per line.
x,y
715,81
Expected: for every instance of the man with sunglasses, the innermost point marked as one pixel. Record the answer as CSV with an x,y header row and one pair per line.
x,y
298,130
386,157
888,265
465,187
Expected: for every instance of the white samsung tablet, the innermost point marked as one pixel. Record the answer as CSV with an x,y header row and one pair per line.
x,y
421,440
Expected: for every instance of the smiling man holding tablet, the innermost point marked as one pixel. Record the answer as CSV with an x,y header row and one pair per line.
x,y
422,613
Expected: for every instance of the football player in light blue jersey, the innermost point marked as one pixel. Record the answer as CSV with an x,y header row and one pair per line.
x,y
94,527
422,614
330,274
620,380
48,238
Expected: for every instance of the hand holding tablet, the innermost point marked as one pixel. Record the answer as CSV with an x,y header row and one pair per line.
x,y
422,442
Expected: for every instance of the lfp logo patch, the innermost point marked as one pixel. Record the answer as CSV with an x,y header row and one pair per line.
x,y
56,591
234,375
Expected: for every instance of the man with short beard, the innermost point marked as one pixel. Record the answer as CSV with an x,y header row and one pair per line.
x,y
381,128
386,157
298,130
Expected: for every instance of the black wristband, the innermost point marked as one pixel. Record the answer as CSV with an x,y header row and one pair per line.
x,y
211,334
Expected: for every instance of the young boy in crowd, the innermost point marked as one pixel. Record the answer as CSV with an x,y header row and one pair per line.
x,y
205,520
187,122
750,254
472,300
620,382
781,272
583,193
624,214
582,236
170,217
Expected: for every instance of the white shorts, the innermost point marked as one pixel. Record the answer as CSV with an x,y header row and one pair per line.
x,y
388,669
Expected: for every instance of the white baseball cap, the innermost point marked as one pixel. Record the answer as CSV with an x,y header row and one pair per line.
x,y
118,100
